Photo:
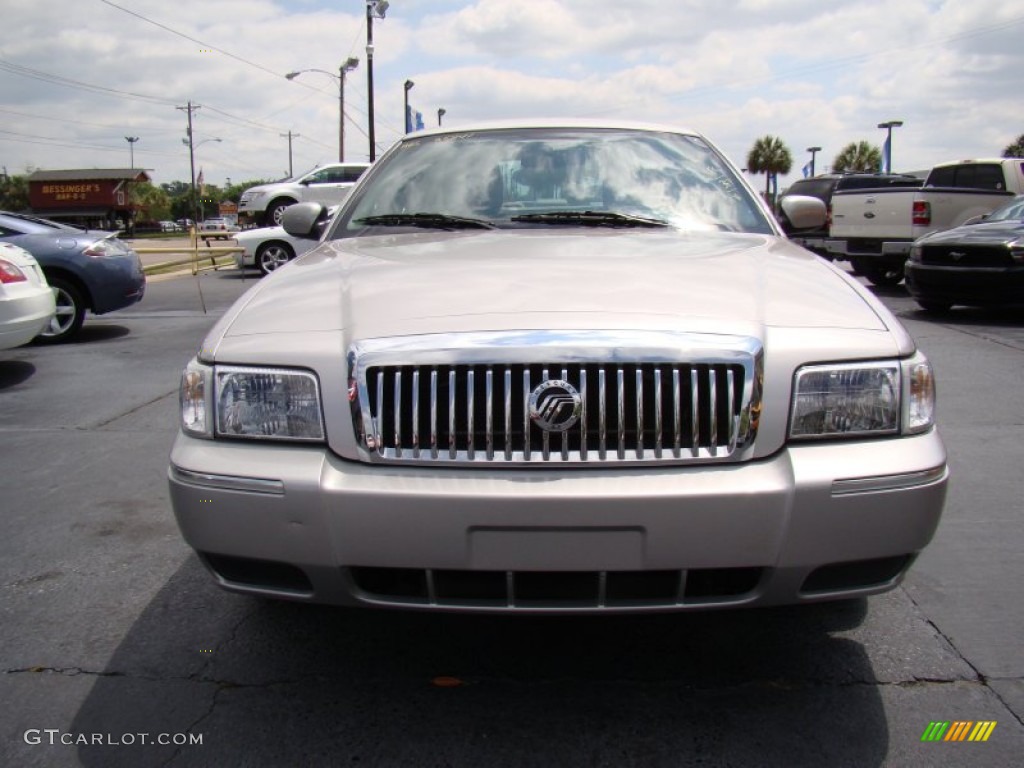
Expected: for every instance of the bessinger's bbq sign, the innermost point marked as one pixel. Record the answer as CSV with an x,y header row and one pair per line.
x,y
58,195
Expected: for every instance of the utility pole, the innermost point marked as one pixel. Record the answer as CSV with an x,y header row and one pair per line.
x,y
290,136
190,108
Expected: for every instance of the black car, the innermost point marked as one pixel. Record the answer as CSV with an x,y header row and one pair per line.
x,y
976,264
823,187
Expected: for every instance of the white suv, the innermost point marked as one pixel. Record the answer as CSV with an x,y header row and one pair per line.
x,y
327,185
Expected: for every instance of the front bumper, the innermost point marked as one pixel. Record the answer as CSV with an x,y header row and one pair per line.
x,y
975,286
815,521
854,248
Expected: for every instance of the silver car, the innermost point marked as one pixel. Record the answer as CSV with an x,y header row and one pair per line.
x,y
557,367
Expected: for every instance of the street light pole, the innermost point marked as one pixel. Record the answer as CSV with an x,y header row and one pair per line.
x,y
408,118
131,149
441,113
814,151
373,8
350,63
889,125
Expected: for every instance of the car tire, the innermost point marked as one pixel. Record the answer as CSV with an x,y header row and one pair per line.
x,y
883,274
275,210
271,256
70,312
935,307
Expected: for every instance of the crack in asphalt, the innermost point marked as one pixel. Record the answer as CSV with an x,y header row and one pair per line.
x,y
130,411
981,678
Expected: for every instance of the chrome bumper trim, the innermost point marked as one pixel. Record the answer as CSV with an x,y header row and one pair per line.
x,y
888,482
228,482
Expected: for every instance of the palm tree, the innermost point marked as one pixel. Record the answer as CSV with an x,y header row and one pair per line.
x,y
769,156
1016,149
858,157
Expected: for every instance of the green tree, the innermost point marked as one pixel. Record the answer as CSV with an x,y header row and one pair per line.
x,y
1016,149
858,157
13,193
154,203
769,156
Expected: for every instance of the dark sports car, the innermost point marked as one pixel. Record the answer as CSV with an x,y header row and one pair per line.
x,y
976,264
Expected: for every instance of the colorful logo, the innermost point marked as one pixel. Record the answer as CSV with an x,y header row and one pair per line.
x,y
959,730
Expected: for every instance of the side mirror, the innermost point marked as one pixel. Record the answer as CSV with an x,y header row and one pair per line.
x,y
804,212
301,219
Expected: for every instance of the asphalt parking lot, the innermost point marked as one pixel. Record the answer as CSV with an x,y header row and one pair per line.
x,y
113,638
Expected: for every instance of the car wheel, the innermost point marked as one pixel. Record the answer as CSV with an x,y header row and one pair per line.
x,y
271,256
883,274
275,211
70,312
938,307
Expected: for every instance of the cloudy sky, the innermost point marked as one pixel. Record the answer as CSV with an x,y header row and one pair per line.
x,y
78,76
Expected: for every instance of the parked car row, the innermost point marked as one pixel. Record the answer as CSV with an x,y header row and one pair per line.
x,y
965,243
87,270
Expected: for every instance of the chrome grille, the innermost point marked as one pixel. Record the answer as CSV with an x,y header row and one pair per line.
x,y
967,255
664,397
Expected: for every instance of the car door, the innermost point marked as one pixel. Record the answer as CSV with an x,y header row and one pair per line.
x,y
326,186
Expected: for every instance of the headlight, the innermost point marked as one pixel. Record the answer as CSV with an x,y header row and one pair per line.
x,y
915,253
863,399
256,403
1017,250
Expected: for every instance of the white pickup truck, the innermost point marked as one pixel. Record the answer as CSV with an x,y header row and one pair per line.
x,y
874,228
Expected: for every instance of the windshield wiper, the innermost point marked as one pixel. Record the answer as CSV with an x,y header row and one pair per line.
x,y
591,219
429,220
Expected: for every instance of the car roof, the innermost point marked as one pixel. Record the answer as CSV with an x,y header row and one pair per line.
x,y
551,122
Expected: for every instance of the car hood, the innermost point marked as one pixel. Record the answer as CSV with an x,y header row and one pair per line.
x,y
435,282
985,233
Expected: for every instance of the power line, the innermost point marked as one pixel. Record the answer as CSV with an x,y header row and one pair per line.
x,y
192,39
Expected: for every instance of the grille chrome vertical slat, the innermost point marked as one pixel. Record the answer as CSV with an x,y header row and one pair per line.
x,y
453,445
398,413
639,442
695,412
415,413
378,423
508,414
677,414
433,413
545,439
526,412
713,395
489,409
620,382
565,434
602,400
734,416
583,413
470,405
657,412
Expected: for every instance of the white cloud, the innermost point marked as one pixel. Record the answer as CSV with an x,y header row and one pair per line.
x,y
813,73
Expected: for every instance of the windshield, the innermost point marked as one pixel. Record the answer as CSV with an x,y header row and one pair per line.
x,y
1011,212
504,178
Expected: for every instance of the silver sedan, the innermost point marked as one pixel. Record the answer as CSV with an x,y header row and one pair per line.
x,y
557,367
